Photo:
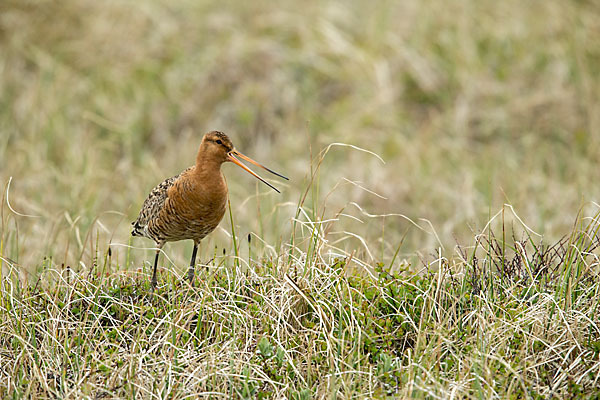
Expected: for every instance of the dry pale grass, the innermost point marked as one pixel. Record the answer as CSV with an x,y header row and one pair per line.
x,y
471,105
504,319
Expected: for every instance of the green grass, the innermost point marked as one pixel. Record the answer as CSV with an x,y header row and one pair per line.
x,y
463,265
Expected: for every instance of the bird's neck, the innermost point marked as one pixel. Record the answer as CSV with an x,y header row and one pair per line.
x,y
208,169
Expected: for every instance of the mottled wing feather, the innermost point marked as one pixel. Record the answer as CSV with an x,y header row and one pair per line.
x,y
152,206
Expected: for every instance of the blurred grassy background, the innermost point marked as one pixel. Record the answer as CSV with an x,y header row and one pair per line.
x,y
472,104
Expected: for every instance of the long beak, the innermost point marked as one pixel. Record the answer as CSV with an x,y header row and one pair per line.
x,y
243,157
231,157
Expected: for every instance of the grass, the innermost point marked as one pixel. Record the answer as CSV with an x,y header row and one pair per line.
x,y
463,265
505,319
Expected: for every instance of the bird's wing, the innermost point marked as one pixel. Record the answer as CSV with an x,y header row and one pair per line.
x,y
152,205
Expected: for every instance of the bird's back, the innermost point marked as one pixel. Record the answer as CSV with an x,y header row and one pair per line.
x,y
152,207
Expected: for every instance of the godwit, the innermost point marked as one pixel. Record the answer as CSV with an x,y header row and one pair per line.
x,y
191,205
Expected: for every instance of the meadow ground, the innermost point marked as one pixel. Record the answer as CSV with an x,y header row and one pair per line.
x,y
438,237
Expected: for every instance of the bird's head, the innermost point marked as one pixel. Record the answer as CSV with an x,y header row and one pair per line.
x,y
217,146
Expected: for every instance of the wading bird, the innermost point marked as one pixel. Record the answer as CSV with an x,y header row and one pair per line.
x,y
191,205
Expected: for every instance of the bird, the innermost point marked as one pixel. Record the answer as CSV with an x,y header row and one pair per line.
x,y
191,204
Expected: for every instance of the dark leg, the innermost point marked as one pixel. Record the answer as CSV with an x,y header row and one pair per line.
x,y
190,274
159,245
155,265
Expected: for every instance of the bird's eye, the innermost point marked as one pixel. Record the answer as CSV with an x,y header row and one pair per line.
x,y
219,141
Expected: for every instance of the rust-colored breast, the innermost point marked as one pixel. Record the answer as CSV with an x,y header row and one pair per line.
x,y
194,207
190,206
